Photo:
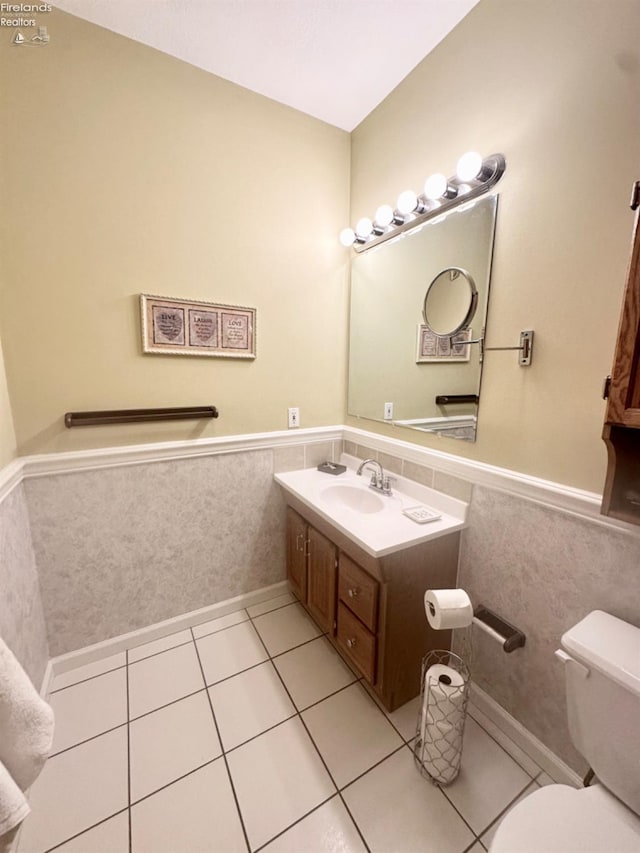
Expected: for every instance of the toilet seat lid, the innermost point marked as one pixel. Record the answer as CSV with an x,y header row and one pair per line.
x,y
560,819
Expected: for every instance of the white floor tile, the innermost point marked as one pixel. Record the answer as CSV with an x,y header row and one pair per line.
x,y
171,641
89,708
278,778
88,670
397,810
194,815
163,678
489,779
219,624
313,671
271,604
351,733
328,829
487,837
518,754
76,790
228,652
405,718
249,703
285,628
110,836
171,742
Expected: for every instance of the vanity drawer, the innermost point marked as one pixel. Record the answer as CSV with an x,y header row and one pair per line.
x,y
359,591
358,644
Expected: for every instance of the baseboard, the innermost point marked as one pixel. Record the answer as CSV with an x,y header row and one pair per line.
x,y
89,654
522,737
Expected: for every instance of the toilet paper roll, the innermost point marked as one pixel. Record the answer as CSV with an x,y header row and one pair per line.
x,y
444,693
448,608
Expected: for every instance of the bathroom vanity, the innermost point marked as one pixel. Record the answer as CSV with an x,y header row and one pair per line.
x,y
361,568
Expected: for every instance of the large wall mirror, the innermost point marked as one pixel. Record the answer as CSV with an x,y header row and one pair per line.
x,y
400,370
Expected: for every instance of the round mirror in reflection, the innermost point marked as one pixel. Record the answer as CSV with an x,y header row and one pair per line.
x,y
450,302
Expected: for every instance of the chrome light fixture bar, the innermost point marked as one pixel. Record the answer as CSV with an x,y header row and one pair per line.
x,y
474,177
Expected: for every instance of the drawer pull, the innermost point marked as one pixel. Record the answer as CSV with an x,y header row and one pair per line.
x,y
351,642
354,592
298,538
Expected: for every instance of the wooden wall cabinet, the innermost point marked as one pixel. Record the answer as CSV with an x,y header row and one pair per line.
x,y
371,609
621,497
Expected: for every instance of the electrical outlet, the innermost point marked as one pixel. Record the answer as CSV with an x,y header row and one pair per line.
x,y
388,411
294,417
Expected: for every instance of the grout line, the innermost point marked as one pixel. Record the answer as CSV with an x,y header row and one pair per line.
x,y
174,781
373,766
84,680
324,763
504,749
83,831
295,822
226,762
86,740
128,756
501,814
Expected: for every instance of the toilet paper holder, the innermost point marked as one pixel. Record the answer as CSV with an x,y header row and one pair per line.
x,y
506,633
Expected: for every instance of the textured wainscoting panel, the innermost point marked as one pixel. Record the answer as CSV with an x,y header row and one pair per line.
x,y
121,548
542,570
22,624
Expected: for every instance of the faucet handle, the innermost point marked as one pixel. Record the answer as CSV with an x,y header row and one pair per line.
x,y
386,483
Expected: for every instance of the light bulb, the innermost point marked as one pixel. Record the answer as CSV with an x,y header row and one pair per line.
x,y
435,186
364,227
407,201
347,237
384,215
469,166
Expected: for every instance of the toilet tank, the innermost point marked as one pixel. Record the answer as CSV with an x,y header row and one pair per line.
x,y
603,700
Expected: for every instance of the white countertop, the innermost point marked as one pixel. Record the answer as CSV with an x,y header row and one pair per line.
x,y
382,528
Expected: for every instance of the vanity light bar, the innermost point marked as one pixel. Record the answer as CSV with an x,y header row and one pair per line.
x,y
474,176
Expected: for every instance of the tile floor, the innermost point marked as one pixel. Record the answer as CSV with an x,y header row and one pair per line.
x,y
250,733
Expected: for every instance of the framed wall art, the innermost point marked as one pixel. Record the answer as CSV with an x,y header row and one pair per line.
x,y
432,347
190,327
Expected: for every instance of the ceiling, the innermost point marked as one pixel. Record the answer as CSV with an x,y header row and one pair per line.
x,y
333,59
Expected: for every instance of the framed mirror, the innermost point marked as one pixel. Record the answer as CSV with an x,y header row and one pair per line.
x,y
400,370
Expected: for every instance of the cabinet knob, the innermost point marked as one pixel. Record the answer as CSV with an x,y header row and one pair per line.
x,y
351,642
354,592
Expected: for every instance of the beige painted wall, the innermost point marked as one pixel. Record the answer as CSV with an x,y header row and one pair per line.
x,y
126,172
555,87
7,433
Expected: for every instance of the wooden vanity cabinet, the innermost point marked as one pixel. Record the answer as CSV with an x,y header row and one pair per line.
x,y
372,609
312,563
621,497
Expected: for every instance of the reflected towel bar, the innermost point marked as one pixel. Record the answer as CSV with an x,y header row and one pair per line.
x,y
510,637
446,399
132,416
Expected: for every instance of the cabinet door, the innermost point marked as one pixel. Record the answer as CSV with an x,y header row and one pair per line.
x,y
296,554
624,393
321,580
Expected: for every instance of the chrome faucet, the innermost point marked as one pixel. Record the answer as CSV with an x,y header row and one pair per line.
x,y
380,481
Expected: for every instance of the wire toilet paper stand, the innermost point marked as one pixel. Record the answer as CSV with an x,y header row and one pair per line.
x,y
441,717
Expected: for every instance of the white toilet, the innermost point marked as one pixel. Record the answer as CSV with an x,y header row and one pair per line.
x,y
602,675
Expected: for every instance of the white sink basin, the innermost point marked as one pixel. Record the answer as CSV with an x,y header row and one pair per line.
x,y
356,498
373,521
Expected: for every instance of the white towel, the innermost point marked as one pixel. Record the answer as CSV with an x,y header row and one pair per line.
x,y
26,734
13,804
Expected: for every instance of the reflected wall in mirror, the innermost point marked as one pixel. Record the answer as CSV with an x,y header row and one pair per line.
x,y
393,358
